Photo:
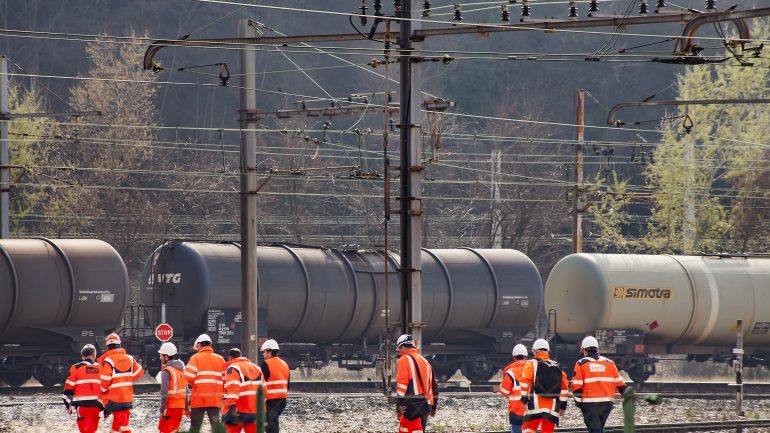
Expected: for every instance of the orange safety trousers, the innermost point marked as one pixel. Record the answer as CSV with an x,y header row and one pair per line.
x,y
120,421
88,419
532,425
406,426
170,421
247,427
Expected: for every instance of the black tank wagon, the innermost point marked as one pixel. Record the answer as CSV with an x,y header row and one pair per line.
x,y
55,296
329,304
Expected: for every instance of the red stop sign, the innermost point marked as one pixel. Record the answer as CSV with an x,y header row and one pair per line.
x,y
164,332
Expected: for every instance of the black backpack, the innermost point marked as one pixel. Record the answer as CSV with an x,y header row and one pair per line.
x,y
548,378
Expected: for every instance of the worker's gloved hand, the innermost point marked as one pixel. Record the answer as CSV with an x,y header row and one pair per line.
x,y
433,409
187,413
106,413
231,417
524,399
70,410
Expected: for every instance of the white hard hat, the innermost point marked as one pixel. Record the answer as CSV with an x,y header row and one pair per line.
x,y
167,349
112,339
405,339
519,350
589,342
202,338
269,345
540,344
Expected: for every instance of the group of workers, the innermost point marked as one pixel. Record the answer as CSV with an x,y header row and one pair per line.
x,y
207,386
537,389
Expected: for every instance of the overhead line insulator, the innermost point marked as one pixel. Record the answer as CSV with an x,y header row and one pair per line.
x,y
458,13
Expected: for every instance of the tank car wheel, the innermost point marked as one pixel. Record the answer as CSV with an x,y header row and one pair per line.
x,y
51,373
443,373
638,375
479,369
16,377
153,372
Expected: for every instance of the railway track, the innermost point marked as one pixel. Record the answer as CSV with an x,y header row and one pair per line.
x,y
704,426
691,390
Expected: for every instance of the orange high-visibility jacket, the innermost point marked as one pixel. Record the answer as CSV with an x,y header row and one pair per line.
x,y
205,374
510,387
118,373
82,385
276,378
242,379
541,407
595,380
407,381
177,388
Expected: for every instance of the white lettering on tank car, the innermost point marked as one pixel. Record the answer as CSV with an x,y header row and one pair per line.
x,y
164,278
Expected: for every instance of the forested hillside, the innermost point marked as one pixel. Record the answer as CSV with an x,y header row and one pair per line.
x,y
162,160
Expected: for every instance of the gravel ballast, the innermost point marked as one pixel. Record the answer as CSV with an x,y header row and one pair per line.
x,y
370,414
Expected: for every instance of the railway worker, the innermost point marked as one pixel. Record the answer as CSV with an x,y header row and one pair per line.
x,y
276,379
242,380
205,374
544,390
118,373
82,393
173,390
416,387
510,387
593,385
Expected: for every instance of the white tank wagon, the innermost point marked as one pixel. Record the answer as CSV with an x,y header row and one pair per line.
x,y
55,296
662,304
329,304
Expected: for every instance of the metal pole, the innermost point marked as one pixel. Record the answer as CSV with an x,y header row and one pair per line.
x,y
629,410
739,370
496,232
261,416
5,184
248,121
577,210
411,177
162,312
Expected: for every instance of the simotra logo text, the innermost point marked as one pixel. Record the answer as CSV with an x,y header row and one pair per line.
x,y
164,278
641,293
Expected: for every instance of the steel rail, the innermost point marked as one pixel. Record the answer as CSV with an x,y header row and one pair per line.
x,y
702,426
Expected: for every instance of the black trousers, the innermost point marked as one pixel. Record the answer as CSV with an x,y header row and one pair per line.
x,y
274,409
196,418
595,415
